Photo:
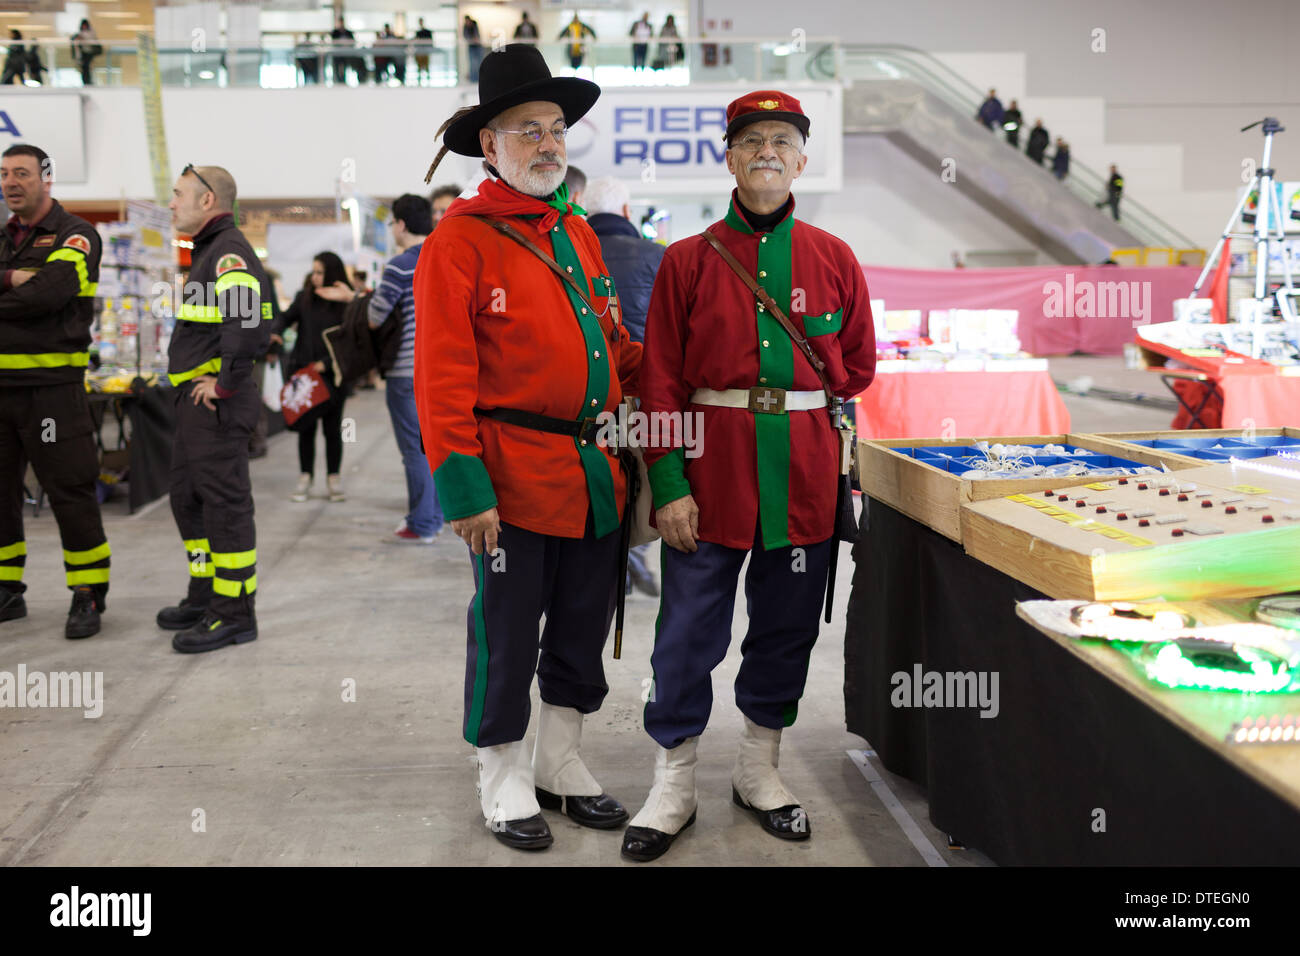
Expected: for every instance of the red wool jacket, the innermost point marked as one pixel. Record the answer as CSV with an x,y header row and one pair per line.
x,y
495,328
704,330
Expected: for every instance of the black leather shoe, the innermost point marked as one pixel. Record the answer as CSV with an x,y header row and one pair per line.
x,y
211,633
644,844
83,616
530,833
789,822
180,617
12,605
599,813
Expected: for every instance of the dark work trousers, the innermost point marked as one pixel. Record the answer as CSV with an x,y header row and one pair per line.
x,y
331,426
212,500
50,426
570,580
784,590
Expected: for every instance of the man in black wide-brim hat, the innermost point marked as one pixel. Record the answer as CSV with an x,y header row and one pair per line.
x,y
515,358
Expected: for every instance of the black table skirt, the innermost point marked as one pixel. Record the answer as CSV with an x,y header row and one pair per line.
x,y
151,414
1031,785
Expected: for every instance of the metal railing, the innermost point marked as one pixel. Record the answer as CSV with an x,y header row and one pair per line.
x,y
883,62
281,63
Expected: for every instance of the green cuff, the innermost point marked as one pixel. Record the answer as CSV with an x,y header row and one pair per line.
x,y
668,478
464,488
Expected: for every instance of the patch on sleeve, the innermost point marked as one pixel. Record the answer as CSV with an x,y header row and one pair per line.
x,y
229,263
43,241
77,241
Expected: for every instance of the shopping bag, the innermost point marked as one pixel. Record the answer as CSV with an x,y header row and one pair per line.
x,y
303,392
272,385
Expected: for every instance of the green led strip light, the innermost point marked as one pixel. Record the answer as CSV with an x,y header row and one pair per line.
x,y
1168,666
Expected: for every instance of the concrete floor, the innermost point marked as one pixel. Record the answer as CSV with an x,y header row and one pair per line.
x,y
257,744
260,739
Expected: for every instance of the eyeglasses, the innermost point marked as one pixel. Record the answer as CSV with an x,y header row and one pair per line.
x,y
534,133
752,143
189,168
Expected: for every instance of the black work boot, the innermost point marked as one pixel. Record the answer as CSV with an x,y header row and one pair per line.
x,y
185,615
83,616
12,605
181,616
211,632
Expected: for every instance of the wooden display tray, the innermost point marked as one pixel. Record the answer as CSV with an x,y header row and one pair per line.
x,y
935,497
1119,441
1069,552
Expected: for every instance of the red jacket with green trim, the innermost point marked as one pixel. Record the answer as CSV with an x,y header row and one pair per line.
x,y
704,330
45,322
495,328
224,322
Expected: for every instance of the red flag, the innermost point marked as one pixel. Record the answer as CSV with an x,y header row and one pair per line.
x,y
1219,284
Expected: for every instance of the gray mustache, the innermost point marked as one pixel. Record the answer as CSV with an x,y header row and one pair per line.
x,y
766,164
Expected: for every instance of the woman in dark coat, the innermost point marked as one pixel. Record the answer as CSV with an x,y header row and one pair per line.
x,y
317,307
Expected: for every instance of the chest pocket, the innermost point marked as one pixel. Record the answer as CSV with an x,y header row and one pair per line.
x,y
823,323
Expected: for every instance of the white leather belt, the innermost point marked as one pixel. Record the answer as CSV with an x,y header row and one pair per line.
x,y
761,399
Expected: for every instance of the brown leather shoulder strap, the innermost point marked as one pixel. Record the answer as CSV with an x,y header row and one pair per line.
x,y
770,305
508,230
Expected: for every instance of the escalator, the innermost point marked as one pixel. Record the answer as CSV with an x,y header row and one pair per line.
x,y
928,111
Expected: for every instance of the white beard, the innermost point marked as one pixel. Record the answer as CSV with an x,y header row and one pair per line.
x,y
532,182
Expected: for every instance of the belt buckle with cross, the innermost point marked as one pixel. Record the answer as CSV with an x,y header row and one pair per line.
x,y
767,401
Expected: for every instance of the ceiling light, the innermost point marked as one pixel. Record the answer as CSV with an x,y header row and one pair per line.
x,y
206,75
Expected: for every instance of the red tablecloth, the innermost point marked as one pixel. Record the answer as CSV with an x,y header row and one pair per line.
x,y
949,404
1063,309
1264,401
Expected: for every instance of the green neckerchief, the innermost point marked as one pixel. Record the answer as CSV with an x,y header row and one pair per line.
x,y
560,200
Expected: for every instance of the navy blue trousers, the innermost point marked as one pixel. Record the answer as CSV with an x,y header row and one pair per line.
x,y
572,582
784,591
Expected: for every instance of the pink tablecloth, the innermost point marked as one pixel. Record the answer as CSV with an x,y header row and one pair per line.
x,y
953,404
1063,309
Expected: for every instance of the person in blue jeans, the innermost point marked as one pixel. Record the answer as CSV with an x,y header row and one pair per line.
x,y
411,225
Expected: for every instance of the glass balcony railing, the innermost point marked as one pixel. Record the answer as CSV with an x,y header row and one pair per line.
x,y
279,63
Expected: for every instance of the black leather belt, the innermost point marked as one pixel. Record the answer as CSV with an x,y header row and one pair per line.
x,y
584,430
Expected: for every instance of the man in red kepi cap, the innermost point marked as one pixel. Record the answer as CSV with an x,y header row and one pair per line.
x,y
764,485
518,350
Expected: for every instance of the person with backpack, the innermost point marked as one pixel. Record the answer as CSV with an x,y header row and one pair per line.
x,y
412,223
318,306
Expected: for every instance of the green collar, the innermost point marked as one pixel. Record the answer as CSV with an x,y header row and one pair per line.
x,y
738,222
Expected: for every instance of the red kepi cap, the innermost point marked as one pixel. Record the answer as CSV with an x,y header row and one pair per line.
x,y
765,105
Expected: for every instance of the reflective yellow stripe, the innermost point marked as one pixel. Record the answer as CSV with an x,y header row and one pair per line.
x,y
87,557
235,559
207,570
232,588
207,367
231,279
11,572
199,313
45,360
13,550
226,588
92,576
197,544
78,259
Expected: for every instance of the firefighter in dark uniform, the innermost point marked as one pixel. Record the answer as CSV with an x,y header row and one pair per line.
x,y
49,268
222,325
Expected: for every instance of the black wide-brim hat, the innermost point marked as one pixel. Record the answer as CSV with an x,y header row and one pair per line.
x,y
517,73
